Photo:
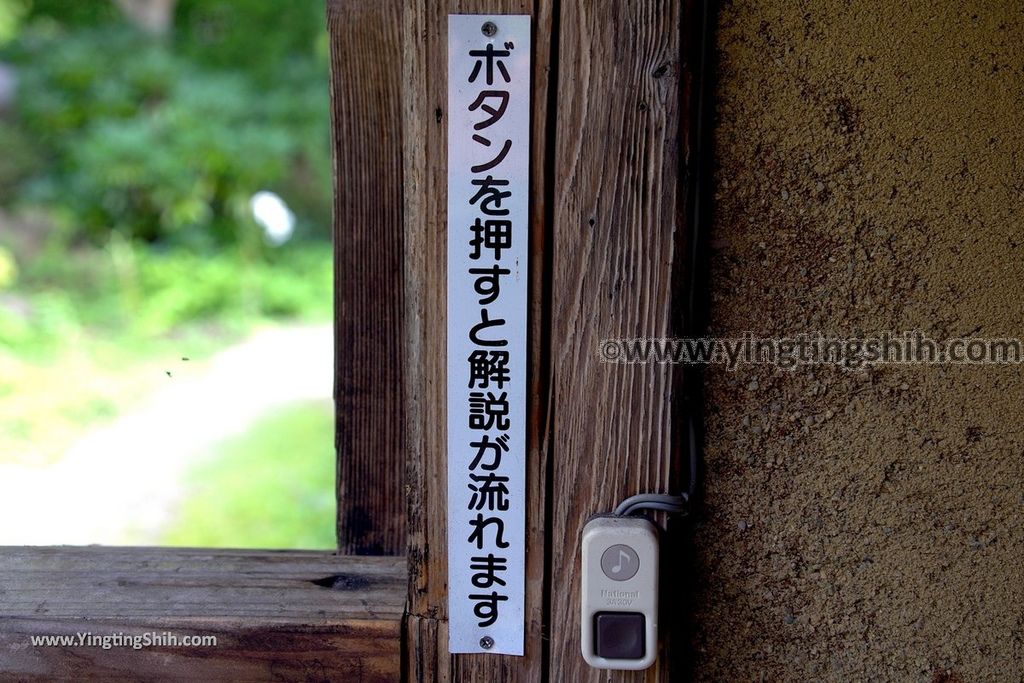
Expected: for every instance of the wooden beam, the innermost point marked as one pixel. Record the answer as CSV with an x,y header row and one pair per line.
x,y
425,128
285,615
368,249
618,239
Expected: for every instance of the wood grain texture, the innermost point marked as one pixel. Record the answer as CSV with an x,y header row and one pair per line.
x,y
425,657
618,237
368,248
425,129
283,615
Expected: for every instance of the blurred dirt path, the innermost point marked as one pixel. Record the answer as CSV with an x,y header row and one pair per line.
x,y
119,484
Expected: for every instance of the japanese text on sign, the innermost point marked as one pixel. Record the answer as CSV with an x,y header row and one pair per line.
x,y
488,235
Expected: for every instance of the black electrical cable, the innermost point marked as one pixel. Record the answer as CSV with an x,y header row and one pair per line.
x,y
698,170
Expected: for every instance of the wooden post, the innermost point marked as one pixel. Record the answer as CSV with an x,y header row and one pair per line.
x,y
368,250
425,99
606,229
618,242
607,212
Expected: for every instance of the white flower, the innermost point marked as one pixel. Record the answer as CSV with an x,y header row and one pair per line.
x,y
274,216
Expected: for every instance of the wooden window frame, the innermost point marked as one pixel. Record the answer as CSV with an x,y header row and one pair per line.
x,y
276,614
612,82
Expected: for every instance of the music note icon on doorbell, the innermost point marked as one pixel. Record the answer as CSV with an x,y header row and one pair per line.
x,y
620,562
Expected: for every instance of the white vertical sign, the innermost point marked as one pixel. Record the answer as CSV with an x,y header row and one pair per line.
x,y
488,239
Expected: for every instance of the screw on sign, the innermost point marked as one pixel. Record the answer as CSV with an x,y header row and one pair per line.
x,y
488,235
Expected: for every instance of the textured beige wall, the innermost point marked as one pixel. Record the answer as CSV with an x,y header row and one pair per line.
x,y
866,525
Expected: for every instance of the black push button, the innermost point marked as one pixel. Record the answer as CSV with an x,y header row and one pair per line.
x,y
619,635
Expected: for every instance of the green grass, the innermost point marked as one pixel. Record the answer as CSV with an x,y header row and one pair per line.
x,y
86,334
272,487
51,397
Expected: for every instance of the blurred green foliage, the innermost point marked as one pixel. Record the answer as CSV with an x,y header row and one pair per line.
x,y
19,161
269,39
8,269
12,13
133,292
165,139
127,163
142,152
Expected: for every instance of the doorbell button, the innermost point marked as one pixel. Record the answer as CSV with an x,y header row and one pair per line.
x,y
619,635
619,605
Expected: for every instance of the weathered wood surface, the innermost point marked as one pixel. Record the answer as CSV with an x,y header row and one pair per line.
x,y
277,615
618,235
608,206
425,102
368,249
